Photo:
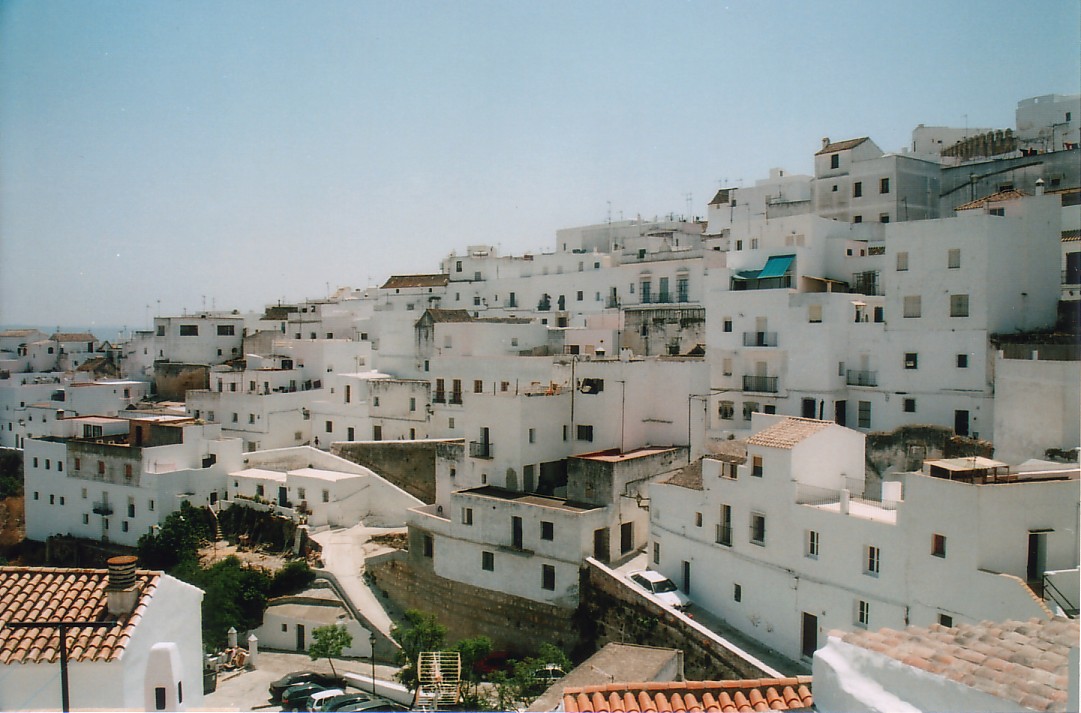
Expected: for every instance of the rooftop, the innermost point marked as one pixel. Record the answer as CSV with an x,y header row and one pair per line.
x,y
784,694
689,476
1011,194
625,662
399,281
835,146
1023,662
787,432
614,455
52,594
497,493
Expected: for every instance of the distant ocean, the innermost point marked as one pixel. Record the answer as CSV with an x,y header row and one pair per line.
x,y
101,332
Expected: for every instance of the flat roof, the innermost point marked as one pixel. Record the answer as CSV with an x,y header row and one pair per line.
x,y
259,473
614,455
969,463
321,474
496,493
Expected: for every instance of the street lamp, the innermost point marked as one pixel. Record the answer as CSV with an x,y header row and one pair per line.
x,y
371,640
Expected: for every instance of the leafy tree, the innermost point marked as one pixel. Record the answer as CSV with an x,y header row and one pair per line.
x,y
294,577
177,540
329,642
419,632
235,596
11,473
472,651
516,689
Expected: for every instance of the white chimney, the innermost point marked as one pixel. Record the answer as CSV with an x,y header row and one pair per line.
x,y
1039,186
121,590
825,141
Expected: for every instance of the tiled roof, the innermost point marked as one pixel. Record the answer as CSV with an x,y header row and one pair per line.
x,y
689,476
1071,235
787,432
1023,662
397,281
1011,194
841,145
53,594
18,332
73,337
449,315
781,694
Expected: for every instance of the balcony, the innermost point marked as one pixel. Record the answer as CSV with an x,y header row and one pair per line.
x,y
456,398
760,384
855,377
440,397
724,534
103,508
481,449
760,339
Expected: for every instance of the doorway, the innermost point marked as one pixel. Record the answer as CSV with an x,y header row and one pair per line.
x,y
809,635
300,637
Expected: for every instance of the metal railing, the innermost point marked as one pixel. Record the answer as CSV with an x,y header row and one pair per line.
x,y
481,449
856,377
760,339
1069,608
724,534
762,384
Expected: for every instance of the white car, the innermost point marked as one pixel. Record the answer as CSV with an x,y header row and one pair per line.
x,y
317,699
660,587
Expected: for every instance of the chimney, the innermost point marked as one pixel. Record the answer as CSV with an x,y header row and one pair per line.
x,y
1039,186
121,590
825,141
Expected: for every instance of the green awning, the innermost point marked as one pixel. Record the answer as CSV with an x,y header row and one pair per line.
x,y
776,266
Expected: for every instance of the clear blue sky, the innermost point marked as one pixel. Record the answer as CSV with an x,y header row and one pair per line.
x,y
255,151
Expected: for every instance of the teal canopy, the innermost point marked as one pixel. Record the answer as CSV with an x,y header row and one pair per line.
x,y
776,266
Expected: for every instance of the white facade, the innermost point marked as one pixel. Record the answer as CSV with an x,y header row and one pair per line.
x,y
785,547
201,338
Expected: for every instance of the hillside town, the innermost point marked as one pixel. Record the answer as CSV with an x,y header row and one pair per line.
x,y
837,413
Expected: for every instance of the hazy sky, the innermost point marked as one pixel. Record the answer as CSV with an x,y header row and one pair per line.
x,y
244,152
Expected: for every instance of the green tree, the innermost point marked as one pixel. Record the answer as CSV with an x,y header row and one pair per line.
x,y
520,686
235,596
11,472
177,540
419,632
329,642
294,577
472,651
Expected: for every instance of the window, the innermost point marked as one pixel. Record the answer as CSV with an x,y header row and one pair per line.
x,y
726,366
412,403
953,259
945,620
912,360
749,407
86,519
548,530
330,426
728,324
726,410
150,506
259,490
101,467
127,470
857,219
857,189
428,546
902,261
478,386
226,330
814,314
884,185
958,305
811,548
656,552
698,519
78,464
758,529
724,527
302,493
912,306
161,330
60,465
872,561
487,561
467,516
864,414
835,160
737,593
375,401
910,405
883,217
251,418
189,330
938,545
35,462
863,613
584,433
880,314
124,526
235,417
532,435
756,466
548,577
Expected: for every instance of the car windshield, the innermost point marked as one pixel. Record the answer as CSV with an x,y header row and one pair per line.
x,y
665,585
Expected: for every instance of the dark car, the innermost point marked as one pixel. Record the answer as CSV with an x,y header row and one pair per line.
x,y
295,698
375,705
359,702
292,679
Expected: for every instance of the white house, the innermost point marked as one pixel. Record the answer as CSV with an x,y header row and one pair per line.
x,y
793,548
147,657
288,623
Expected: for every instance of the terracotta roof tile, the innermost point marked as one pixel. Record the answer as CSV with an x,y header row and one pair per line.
x,y
73,337
787,432
399,281
1007,195
836,146
692,696
42,593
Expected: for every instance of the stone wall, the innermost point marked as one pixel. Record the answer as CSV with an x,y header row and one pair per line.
x,y
410,465
512,623
904,450
172,381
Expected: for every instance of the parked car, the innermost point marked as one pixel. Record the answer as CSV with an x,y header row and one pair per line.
x,y
661,587
329,705
292,679
545,676
317,699
375,705
295,698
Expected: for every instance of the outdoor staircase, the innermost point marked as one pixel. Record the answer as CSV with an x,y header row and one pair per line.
x,y
439,673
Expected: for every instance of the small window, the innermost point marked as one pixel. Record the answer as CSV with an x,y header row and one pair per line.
x,y
412,403
884,185
945,620
467,516
728,324
883,217
428,546
938,545
756,466
872,562
814,314
302,493
857,189
86,519
330,427
811,544
487,561
548,577
584,433
548,530
698,519
962,361
902,261
726,410
737,593
835,160
958,305
285,627
857,219
159,698
912,360
326,496
478,386
656,552
749,407
953,259
864,414
226,330
912,306
532,435
910,405
189,330
758,529
863,613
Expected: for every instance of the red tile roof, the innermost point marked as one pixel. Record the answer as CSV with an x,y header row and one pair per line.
x,y
1011,194
1023,662
782,694
73,337
53,594
841,145
787,432
397,281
